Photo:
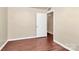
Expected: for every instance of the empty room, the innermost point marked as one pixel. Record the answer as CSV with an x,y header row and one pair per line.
x,y
39,29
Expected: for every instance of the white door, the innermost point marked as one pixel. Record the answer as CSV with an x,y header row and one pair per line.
x,y
41,21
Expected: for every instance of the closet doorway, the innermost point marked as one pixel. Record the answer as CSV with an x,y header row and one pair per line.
x,y
50,25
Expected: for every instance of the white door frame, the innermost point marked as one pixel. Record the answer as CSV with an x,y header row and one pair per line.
x,y
53,14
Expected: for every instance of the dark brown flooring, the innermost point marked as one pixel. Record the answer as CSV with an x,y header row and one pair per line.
x,y
35,44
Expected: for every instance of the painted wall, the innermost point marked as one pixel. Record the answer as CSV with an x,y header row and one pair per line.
x,y
50,22
3,25
21,22
66,26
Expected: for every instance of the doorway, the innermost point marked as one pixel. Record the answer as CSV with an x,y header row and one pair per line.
x,y
44,24
50,25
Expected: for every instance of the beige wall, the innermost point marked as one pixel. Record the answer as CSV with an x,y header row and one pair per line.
x,y
21,22
66,27
3,25
50,22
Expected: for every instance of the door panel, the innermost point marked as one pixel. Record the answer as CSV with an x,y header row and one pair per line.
x,y
41,24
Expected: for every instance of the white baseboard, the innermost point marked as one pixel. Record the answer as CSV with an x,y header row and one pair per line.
x,y
63,45
3,45
24,38
21,38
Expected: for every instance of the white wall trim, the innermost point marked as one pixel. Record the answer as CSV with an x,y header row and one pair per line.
x,y
21,38
3,45
24,38
63,45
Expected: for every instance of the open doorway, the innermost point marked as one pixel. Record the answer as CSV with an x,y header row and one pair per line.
x,y
50,25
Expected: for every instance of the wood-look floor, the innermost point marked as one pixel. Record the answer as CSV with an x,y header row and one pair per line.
x,y
35,44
